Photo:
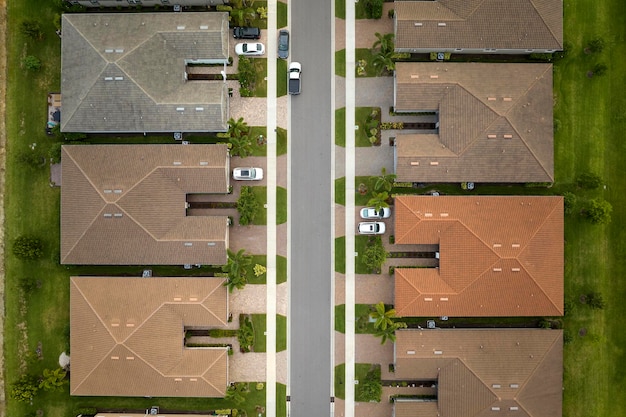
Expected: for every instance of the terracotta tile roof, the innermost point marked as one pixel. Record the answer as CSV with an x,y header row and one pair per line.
x,y
479,24
125,204
498,256
495,122
126,337
125,72
484,372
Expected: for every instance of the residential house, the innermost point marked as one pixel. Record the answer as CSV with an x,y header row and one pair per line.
x,y
127,337
481,372
479,26
128,204
178,4
497,256
493,122
127,72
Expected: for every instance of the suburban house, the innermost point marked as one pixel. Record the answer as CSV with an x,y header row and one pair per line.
x,y
127,73
495,256
128,204
148,3
493,122
481,372
479,26
127,337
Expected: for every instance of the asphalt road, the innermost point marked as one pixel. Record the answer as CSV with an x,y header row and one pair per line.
x,y
311,207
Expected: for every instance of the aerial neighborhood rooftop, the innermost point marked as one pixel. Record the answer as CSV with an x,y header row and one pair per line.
x,y
174,185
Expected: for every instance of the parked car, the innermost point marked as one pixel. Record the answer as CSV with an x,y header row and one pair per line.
x,y
246,33
248,174
371,228
295,72
372,213
250,49
283,44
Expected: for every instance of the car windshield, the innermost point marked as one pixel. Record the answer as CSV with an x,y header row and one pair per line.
x,y
246,173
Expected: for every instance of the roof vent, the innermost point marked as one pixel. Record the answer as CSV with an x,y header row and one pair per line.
x,y
410,352
514,386
497,245
204,27
204,163
118,215
434,76
508,136
108,78
428,215
181,27
117,191
414,76
178,379
115,325
497,269
180,109
495,408
130,358
414,163
199,108
210,244
443,299
513,408
108,215
418,24
438,352
428,299
188,244
108,51
115,357
108,191
178,299
119,51
119,78
515,269
441,24
434,163
491,99
193,379
507,99
193,298
443,214
515,245
130,324
177,163
496,386
492,136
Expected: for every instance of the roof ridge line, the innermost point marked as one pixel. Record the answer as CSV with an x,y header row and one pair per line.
x,y
419,294
126,55
210,367
497,118
545,23
543,358
471,370
201,303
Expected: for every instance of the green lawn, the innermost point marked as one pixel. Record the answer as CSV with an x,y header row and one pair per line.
x,y
281,270
281,77
359,12
281,400
259,323
340,127
360,372
360,53
340,60
340,191
340,254
362,324
281,141
260,84
361,137
281,205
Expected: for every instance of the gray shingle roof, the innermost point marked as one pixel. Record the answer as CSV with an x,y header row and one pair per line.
x,y
126,72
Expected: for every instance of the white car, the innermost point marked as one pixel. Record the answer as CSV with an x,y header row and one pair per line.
x,y
250,49
371,228
248,174
372,213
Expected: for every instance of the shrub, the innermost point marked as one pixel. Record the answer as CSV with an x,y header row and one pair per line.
x,y
259,386
24,389
589,180
55,152
595,46
599,69
569,202
28,283
375,254
32,158
27,247
247,205
223,8
259,270
374,9
598,211
31,62
595,300
31,29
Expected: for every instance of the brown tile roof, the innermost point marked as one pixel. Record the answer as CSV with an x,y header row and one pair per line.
x,y
479,24
126,337
495,122
498,256
125,72
125,204
480,372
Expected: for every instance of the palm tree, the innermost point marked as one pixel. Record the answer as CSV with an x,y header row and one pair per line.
x,y
385,181
240,146
53,379
236,128
390,332
383,61
379,200
237,269
384,318
385,42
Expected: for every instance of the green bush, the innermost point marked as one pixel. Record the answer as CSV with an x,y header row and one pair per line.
x,y
31,62
222,333
375,254
374,9
28,247
598,211
569,202
247,205
55,152
589,180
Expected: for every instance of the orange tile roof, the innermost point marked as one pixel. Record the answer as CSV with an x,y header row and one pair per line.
x,y
498,256
495,122
479,24
126,337
125,204
484,372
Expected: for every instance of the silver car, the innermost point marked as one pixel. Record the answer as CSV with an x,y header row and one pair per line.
x,y
248,174
283,44
371,228
372,213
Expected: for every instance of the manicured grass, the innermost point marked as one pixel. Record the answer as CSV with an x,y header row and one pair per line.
x,y
259,323
340,254
360,373
281,77
281,14
281,205
253,279
340,9
281,269
281,141
340,191
254,133
359,12
340,127
260,84
340,61
281,400
360,243
361,200
362,324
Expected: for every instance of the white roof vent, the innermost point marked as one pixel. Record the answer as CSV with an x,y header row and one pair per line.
x,y
438,352
418,24
441,24
204,27
181,27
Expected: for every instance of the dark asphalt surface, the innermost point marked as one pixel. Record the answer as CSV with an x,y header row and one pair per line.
x,y
311,207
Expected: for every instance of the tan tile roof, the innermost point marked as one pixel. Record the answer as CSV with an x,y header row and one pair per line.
x,y
495,122
126,337
125,204
479,24
125,72
498,256
484,372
